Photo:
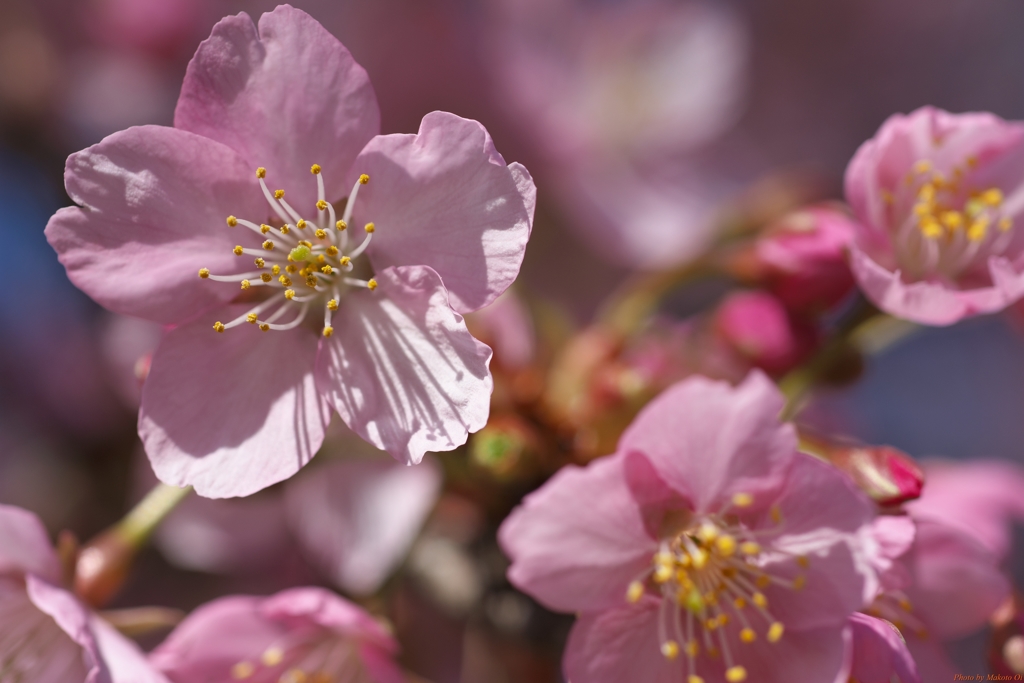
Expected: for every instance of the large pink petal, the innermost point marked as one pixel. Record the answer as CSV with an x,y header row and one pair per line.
x,y
33,647
326,609
879,653
933,663
231,413
445,198
154,202
357,518
126,662
957,584
286,98
709,440
402,370
578,541
25,546
73,618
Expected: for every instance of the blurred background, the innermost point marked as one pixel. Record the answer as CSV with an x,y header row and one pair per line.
x,y
643,122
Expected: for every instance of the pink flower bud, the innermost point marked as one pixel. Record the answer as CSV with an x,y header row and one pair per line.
x,y
758,327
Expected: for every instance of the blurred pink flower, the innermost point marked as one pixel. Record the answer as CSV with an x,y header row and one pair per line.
x,y
804,256
877,653
757,326
46,634
507,328
302,634
937,196
231,415
715,540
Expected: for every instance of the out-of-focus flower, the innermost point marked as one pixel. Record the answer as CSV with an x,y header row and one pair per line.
x,y
127,345
231,415
155,26
878,653
47,634
506,327
613,96
886,474
298,635
758,552
937,196
757,326
802,259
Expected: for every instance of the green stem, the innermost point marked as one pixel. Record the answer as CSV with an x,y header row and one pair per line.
x,y
137,526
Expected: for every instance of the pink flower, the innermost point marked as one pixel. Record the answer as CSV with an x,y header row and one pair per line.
x,y
757,326
380,339
717,551
877,653
938,195
46,634
296,636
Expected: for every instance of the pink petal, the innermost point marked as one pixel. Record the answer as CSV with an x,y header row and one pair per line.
x,y
25,546
326,609
154,203
573,555
286,98
357,518
127,663
35,645
825,519
231,413
709,440
879,653
957,584
933,663
402,370
445,198
73,618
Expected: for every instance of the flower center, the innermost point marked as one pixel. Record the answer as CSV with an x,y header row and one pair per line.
x,y
948,225
709,578
324,658
305,263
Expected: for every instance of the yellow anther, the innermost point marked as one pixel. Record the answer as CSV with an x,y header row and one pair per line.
x,y
321,234
694,679
750,548
992,197
972,161
238,250
218,326
275,269
301,225
747,635
708,532
246,284
692,648
905,605
684,561
740,602
293,676
663,573
264,228
635,591
285,280
922,166
799,582
264,327
775,632
763,581
670,649
291,268
242,670
261,172
278,194
204,273
726,545
369,227
699,558
266,277
311,282
372,284
363,179
954,220
1005,223
332,250
776,514
328,330
978,229
315,169
927,193
345,260
922,209
259,262
341,225
321,205
742,500
711,624
803,561
723,619
327,270
930,227
273,656
711,597
232,221
289,294
735,674
285,229
268,245
252,317
332,305
888,197
759,600
306,243
320,258
321,677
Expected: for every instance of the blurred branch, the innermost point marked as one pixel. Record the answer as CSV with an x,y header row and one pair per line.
x,y
139,621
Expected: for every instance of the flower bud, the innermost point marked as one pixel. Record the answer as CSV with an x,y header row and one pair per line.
x,y
887,475
758,327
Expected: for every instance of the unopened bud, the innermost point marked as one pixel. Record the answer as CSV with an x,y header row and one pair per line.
x,y
886,474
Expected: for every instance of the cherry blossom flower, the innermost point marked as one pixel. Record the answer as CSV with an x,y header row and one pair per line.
x,y
369,324
46,634
877,653
938,198
301,635
718,552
